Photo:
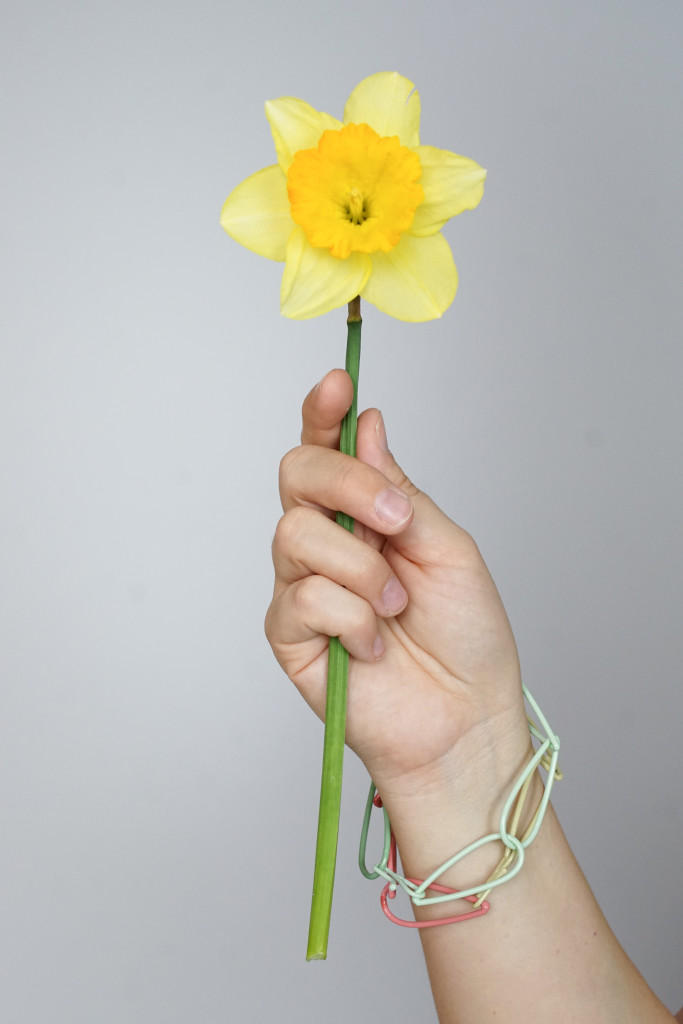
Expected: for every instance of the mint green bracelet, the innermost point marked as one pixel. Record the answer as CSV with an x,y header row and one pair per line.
x,y
546,757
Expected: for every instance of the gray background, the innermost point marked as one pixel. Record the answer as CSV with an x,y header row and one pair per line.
x,y
158,776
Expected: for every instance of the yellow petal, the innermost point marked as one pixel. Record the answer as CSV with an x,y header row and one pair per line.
x,y
416,281
296,125
451,184
315,282
386,101
256,214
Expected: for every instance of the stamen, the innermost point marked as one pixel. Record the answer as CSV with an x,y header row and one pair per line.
x,y
356,208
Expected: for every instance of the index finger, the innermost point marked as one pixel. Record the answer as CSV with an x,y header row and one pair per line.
x,y
324,408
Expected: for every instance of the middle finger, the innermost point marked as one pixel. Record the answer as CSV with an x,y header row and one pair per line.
x,y
307,543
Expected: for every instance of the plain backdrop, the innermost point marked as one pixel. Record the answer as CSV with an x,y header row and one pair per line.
x,y
158,775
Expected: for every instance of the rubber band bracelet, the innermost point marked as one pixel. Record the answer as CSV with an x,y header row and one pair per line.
x,y
510,864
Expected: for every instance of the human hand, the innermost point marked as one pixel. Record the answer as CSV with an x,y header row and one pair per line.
x,y
434,681
436,713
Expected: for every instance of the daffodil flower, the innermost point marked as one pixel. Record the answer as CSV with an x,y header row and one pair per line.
x,y
356,207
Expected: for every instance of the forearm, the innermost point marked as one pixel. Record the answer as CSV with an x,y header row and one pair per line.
x,y
544,950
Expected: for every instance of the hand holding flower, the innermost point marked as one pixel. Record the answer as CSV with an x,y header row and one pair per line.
x,y
448,671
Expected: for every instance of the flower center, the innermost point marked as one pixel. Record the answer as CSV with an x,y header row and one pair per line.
x,y
357,208
355,192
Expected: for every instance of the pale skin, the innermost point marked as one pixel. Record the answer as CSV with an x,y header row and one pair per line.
x,y
435,712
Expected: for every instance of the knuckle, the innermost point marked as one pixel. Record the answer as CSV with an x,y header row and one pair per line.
x,y
403,482
268,624
292,526
290,463
306,596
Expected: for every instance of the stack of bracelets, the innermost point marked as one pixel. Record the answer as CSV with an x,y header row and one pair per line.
x,y
513,857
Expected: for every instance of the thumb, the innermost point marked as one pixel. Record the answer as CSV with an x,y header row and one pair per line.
x,y
430,533
373,449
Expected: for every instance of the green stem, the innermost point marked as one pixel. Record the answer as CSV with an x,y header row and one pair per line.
x,y
335,710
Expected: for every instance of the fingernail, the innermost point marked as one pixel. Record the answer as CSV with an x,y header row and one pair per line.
x,y
393,507
382,434
378,647
394,596
319,384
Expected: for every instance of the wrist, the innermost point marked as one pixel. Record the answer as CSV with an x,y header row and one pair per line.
x,y
471,794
